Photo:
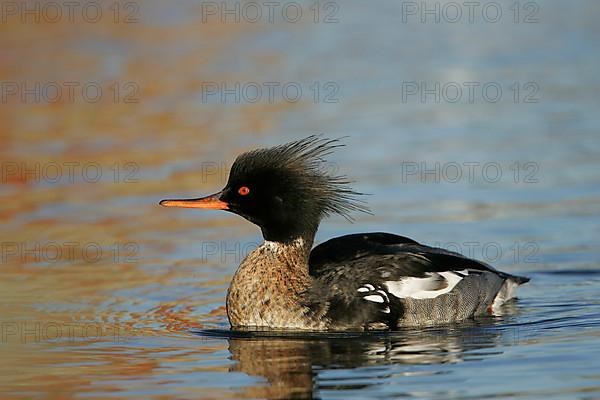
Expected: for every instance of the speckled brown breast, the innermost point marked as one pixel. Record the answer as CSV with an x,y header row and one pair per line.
x,y
266,290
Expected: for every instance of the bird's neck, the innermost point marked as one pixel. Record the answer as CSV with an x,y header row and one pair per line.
x,y
279,259
290,234
293,253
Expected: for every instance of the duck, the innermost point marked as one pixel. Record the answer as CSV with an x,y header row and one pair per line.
x,y
355,282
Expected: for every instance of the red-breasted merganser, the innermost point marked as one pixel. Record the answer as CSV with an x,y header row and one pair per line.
x,y
353,282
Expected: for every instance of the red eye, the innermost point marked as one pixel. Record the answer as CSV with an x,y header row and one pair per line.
x,y
243,190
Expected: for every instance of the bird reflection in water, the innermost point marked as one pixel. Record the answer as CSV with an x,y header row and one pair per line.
x,y
291,361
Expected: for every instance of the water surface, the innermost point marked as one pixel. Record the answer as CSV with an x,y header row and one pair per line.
x,y
145,318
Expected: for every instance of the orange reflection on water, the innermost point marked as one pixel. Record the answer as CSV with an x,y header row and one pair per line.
x,y
72,321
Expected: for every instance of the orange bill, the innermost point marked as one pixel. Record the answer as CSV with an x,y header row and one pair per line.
x,y
212,202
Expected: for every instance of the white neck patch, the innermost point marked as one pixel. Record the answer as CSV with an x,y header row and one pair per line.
x,y
278,247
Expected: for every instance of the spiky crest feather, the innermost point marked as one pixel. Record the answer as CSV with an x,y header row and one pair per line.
x,y
303,162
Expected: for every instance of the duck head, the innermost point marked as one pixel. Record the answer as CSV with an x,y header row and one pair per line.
x,y
285,190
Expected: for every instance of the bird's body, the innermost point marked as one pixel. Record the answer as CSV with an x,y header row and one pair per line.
x,y
362,281
354,282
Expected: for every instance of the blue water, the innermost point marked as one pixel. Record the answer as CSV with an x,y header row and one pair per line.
x,y
544,219
514,182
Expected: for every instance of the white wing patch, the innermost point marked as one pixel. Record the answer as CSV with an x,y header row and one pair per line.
x,y
367,288
375,295
434,285
374,298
